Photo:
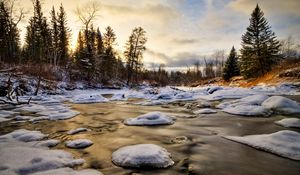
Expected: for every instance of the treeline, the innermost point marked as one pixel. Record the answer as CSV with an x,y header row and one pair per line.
x,y
95,59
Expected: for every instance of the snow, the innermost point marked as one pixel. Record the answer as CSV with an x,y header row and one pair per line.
x,y
88,98
23,135
282,105
22,117
78,130
228,93
142,155
69,171
6,115
151,118
205,111
249,100
289,122
22,152
118,97
248,110
284,143
79,143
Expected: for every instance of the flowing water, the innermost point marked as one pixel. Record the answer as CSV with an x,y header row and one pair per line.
x,y
196,143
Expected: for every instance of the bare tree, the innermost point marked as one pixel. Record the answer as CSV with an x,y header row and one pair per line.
x,y
289,48
88,13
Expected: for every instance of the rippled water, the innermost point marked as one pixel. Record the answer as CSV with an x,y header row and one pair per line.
x,y
196,143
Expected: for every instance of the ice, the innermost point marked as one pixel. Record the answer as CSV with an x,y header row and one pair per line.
x,y
23,153
249,100
151,118
228,93
284,143
118,97
142,155
282,105
79,143
248,110
289,122
22,117
205,111
69,171
88,98
78,130
6,115
23,135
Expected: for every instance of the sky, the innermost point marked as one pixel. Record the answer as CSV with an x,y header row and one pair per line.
x,y
179,32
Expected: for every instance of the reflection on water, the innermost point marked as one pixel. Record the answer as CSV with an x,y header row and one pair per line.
x,y
195,143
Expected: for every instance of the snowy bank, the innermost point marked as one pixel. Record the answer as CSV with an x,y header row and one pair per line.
x,y
88,98
282,105
142,155
284,143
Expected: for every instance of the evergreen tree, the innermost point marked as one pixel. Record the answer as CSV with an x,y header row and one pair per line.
x,y
99,42
63,35
55,37
38,38
134,49
259,46
231,66
9,35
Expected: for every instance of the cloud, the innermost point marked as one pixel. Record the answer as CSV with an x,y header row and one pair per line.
x,y
185,41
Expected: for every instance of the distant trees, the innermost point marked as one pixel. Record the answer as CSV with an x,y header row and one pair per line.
x,y
231,66
134,49
289,48
260,48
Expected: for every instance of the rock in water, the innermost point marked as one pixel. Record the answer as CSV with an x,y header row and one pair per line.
x,y
289,122
282,105
151,118
142,155
79,143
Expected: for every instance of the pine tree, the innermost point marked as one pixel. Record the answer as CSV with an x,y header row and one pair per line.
x,y
259,46
55,37
4,30
134,49
63,35
231,66
38,38
99,42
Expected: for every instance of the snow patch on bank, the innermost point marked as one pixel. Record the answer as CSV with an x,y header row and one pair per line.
x,y
284,143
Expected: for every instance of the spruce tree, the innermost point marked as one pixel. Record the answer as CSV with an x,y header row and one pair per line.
x,y
63,35
231,66
259,46
55,37
4,30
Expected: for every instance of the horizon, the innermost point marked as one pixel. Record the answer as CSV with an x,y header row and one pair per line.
x,y
179,32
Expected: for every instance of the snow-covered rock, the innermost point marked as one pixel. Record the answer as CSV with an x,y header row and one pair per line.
x,y
22,117
248,110
78,130
79,143
151,118
47,143
249,100
69,171
88,98
228,93
142,155
205,111
23,135
289,122
282,105
284,143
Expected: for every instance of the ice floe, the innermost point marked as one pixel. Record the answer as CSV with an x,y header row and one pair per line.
x,y
289,122
282,105
284,143
205,111
78,130
248,110
88,98
142,155
151,118
79,143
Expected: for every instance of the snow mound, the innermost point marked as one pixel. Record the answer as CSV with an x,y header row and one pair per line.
x,y
6,115
78,130
205,111
88,98
142,155
23,135
228,93
249,100
248,110
289,122
284,143
69,171
282,105
151,118
79,143
22,158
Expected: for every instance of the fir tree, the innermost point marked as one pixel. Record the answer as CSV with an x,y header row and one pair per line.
x,y
259,46
134,49
63,35
231,66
